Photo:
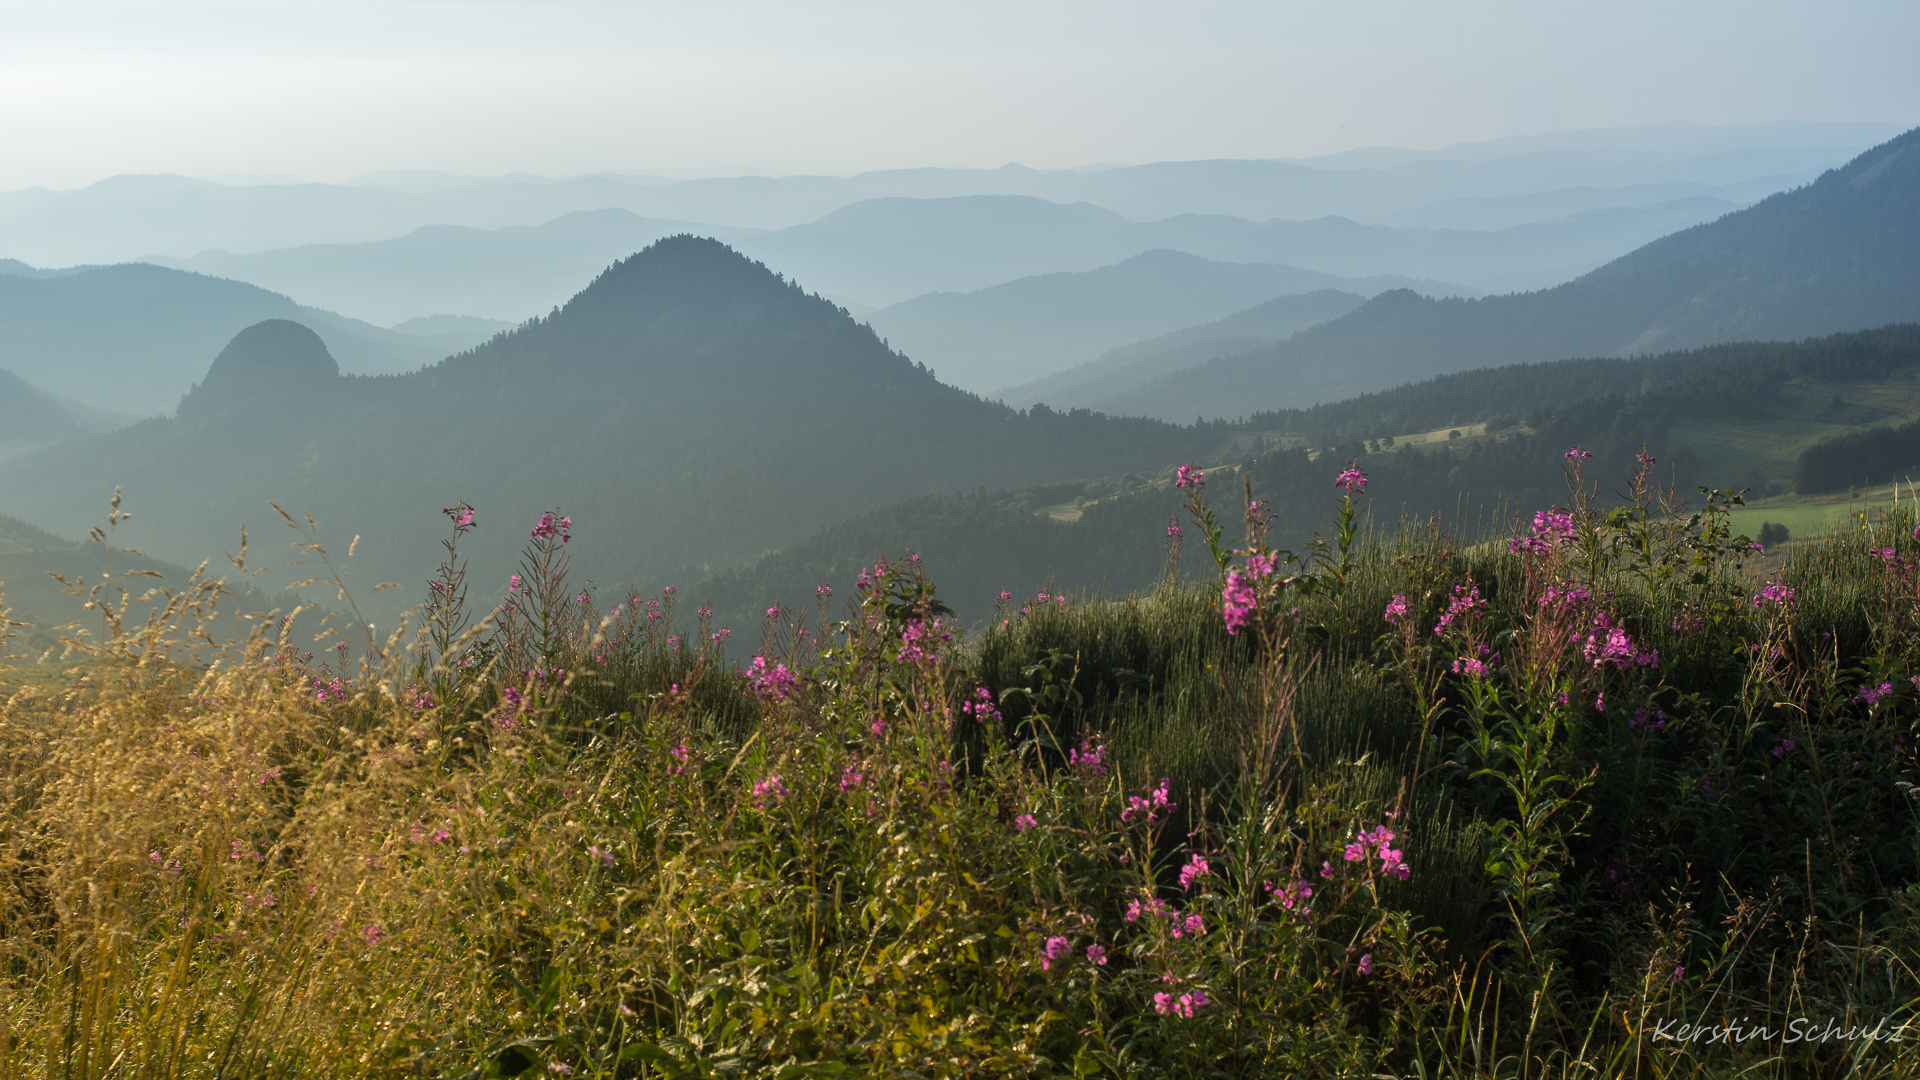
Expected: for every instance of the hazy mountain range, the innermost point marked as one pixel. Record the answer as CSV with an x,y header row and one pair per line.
x,y
129,217
1840,254
133,338
1012,333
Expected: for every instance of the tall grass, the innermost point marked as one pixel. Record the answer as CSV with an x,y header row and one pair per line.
x,y
1094,838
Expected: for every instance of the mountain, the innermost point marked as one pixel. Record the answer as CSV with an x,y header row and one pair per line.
x,y
1842,253
513,272
1035,326
134,337
689,408
1122,369
130,217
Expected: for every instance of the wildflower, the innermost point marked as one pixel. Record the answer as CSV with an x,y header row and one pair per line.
x,y
773,612
563,1070
1153,808
1679,972
1353,481
1292,898
1056,948
681,757
721,635
513,584
982,710
774,683
1784,747
1645,722
604,855
549,527
1088,758
1024,822
1466,600
1646,459
372,933
1237,601
462,515
1195,869
1190,477
879,726
770,791
1365,967
1396,611
581,599
1097,954
1004,596
1185,1005
1872,695
1577,454
1777,595
1173,529
823,592
1191,926
851,778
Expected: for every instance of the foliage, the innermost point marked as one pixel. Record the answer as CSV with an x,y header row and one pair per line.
x,y
1352,806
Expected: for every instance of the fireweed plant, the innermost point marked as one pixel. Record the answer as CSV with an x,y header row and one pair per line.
x,y
1376,807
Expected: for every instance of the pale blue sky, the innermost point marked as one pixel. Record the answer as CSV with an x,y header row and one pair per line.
x,y
326,91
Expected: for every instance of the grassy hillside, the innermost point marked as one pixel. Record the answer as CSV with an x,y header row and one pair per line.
x,y
1842,253
1414,808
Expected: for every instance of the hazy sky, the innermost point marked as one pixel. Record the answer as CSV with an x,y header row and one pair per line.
x,y
325,89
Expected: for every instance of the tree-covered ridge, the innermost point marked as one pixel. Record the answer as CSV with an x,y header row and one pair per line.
x,y
697,407
1740,370
1842,253
981,542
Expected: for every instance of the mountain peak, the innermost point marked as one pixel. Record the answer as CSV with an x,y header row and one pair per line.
x,y
261,363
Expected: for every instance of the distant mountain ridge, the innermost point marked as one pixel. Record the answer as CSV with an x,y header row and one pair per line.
x,y
1121,369
1011,333
1842,253
134,337
128,217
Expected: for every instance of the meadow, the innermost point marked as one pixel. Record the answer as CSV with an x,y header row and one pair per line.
x,y
1609,797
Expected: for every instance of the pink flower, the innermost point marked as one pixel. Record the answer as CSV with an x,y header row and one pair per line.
x,y
1190,477
773,612
549,527
1396,610
1577,454
604,855
1195,869
1097,954
1173,529
1365,966
851,778
823,593
1163,1003
1353,481
1087,758
1024,822
1056,948
1237,601
770,791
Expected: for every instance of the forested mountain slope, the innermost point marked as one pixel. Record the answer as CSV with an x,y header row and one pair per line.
x,y
1842,253
689,408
